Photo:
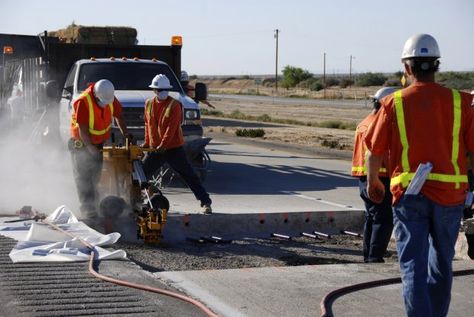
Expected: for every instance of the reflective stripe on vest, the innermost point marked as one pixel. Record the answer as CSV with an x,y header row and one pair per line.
x,y
363,169
405,177
92,117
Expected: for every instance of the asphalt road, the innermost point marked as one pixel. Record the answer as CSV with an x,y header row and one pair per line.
x,y
247,177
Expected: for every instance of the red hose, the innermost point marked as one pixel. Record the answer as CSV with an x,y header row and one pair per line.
x,y
329,298
147,288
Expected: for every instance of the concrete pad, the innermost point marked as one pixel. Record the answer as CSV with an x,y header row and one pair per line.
x,y
298,291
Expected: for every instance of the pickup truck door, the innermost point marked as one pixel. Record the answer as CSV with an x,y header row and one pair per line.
x,y
65,105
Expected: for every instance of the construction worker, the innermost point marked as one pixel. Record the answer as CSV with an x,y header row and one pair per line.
x,y
91,123
378,217
163,134
189,89
422,123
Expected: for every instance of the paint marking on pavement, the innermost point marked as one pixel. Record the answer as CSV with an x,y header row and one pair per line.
x,y
318,200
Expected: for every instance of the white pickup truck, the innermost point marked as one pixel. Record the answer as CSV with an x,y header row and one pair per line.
x,y
131,78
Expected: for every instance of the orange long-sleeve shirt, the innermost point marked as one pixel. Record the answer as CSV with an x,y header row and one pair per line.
x,y
428,113
360,150
163,123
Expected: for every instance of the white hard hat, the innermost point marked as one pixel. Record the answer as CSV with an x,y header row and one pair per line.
x,y
383,92
421,45
104,91
184,76
161,82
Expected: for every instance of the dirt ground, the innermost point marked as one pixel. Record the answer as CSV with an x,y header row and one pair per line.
x,y
305,136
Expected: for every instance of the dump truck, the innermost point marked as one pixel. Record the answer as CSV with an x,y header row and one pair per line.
x,y
46,73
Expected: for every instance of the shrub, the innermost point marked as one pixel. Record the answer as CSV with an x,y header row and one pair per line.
x,y
393,82
215,113
251,133
336,124
332,81
370,79
294,75
343,83
456,80
264,118
311,84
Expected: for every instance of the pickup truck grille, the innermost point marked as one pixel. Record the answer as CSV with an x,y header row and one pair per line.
x,y
133,117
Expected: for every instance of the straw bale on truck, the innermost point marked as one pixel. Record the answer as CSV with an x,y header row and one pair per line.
x,y
118,35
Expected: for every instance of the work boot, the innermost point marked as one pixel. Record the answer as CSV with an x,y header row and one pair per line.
x,y
207,209
470,245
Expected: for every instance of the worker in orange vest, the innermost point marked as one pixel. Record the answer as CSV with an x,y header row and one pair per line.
x,y
91,124
423,123
190,89
378,217
163,134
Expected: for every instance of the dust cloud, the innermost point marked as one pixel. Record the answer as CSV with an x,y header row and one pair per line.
x,y
35,166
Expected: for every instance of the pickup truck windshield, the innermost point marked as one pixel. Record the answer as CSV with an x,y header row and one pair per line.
x,y
125,76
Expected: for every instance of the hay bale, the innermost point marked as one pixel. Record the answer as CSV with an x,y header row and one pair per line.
x,y
118,35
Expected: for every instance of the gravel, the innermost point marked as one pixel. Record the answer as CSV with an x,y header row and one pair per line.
x,y
248,253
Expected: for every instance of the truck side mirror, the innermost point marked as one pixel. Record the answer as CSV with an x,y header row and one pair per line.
x,y
52,89
67,92
200,92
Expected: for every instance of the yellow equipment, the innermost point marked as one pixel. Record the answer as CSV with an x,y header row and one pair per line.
x,y
123,176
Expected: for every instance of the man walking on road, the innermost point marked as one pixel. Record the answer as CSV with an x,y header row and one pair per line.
x,y
423,123
91,123
163,134
378,217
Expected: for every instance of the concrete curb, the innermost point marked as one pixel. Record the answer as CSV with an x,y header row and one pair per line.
x,y
258,225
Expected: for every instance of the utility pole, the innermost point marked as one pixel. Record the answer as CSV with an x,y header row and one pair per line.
x,y
324,76
276,61
350,69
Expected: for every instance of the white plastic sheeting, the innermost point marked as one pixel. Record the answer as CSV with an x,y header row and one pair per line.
x,y
38,242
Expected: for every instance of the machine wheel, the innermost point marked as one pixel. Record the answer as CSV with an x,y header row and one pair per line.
x,y
112,206
160,201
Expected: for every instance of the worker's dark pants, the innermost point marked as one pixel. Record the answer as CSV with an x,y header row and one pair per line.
x,y
378,222
468,213
176,158
87,170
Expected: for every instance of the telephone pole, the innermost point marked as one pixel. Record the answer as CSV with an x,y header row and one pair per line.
x,y
324,76
350,69
276,61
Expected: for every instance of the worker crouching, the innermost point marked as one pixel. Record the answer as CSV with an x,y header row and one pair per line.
x,y
91,126
378,216
164,137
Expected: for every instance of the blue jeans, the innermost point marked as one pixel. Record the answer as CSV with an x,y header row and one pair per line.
x,y
378,224
426,233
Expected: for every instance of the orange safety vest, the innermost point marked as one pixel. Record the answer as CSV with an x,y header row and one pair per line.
x,y
359,155
99,123
408,171
161,128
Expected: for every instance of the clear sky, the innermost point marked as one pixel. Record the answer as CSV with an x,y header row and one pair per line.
x,y
223,37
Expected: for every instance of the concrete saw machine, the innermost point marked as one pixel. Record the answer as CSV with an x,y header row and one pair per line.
x,y
123,176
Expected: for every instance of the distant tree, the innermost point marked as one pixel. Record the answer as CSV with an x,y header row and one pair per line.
x,y
311,84
370,79
345,82
332,81
456,80
294,75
